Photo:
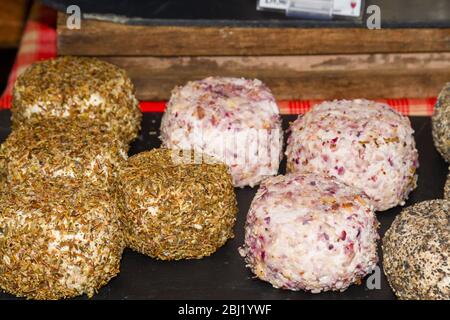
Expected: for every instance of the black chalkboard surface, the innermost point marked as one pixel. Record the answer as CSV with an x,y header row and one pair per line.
x,y
394,13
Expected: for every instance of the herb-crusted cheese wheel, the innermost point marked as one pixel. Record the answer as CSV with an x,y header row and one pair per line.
x,y
416,251
234,120
85,88
441,123
82,150
174,209
58,239
310,232
362,143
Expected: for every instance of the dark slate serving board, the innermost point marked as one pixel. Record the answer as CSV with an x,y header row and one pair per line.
x,y
223,275
394,13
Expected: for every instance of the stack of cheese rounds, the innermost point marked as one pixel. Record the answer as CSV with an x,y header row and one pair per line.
x,y
60,234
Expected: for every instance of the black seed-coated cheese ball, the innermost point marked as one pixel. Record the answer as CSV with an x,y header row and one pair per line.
x,y
416,251
441,123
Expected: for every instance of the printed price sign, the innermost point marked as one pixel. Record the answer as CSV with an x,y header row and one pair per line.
x,y
349,8
279,5
314,8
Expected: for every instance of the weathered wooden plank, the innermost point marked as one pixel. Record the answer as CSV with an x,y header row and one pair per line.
x,y
98,38
12,16
299,77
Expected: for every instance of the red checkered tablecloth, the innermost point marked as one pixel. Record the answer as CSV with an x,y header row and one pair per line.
x,y
39,43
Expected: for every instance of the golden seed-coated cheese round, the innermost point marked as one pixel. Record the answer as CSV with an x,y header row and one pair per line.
x,y
58,147
85,88
58,239
416,251
174,209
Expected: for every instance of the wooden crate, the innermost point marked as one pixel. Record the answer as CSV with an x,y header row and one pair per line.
x,y
309,63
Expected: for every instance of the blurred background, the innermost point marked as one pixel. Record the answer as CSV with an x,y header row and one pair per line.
x,y
164,43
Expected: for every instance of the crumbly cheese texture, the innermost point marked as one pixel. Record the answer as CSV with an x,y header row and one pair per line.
x,y
83,150
362,143
235,120
58,239
441,123
310,232
86,88
416,252
174,209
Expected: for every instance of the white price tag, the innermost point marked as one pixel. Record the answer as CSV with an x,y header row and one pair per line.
x,y
348,8
311,9
272,5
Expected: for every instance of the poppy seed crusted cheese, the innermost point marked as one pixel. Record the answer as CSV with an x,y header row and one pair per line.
x,y
85,88
175,210
235,120
416,251
61,148
362,143
441,123
310,232
58,239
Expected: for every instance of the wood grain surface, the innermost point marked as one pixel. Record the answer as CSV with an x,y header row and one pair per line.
x,y
299,77
12,16
99,38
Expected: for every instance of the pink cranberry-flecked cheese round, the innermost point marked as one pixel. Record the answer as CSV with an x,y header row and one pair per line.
x,y
235,120
363,143
310,232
